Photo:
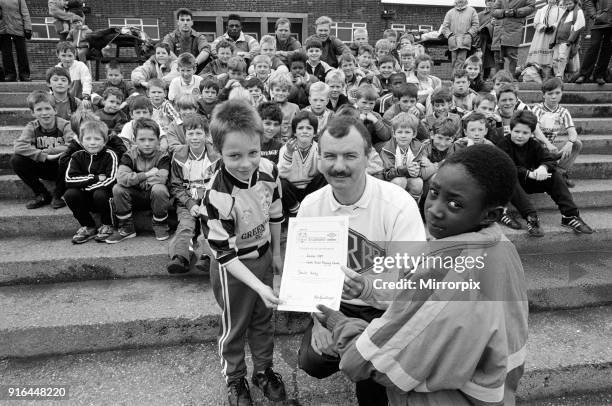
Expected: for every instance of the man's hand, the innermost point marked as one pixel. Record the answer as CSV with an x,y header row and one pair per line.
x,y
269,297
194,211
353,284
321,340
566,150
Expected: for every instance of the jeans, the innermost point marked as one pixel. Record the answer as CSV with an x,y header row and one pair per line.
x,y
6,45
598,55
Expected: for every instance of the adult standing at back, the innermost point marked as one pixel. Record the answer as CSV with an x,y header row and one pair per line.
x,y
15,27
332,46
285,43
508,32
246,46
598,55
186,39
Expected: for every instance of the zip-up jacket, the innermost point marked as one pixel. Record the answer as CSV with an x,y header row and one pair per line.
x,y
84,170
134,165
387,154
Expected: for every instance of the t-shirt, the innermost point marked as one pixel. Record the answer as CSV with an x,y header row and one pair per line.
x,y
385,213
179,87
269,150
553,122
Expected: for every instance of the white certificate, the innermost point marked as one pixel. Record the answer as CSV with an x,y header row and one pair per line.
x,y
316,248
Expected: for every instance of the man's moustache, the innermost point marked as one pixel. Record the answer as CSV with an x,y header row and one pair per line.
x,y
339,174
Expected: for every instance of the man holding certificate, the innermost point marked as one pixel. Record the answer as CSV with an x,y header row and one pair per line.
x,y
378,214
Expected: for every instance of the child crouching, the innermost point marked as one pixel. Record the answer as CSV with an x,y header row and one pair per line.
x,y
91,174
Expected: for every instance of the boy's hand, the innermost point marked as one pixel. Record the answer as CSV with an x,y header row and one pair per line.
x,y
321,340
291,145
371,117
102,177
277,264
222,76
298,81
269,297
53,157
326,312
86,104
566,150
353,284
194,211
414,169
541,173
144,84
152,172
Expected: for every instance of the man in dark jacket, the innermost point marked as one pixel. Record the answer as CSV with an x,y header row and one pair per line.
x,y
509,18
285,43
600,14
332,46
186,39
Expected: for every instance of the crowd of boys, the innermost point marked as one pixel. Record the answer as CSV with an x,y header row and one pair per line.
x,y
174,141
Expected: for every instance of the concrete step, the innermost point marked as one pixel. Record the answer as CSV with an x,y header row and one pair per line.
x,y
595,144
567,352
570,87
16,99
8,134
589,110
594,125
588,193
592,97
11,116
13,87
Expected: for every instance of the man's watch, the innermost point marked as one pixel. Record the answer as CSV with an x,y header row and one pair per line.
x,y
86,97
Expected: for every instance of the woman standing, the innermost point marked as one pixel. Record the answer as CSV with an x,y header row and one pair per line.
x,y
15,27
544,22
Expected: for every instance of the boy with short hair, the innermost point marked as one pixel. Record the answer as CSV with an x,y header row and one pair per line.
x,y
241,218
319,98
485,104
405,97
403,156
379,128
441,104
111,113
386,69
280,84
301,79
141,183
140,107
555,120
473,67
58,80
315,66
271,118
383,48
537,173
38,148
236,73
267,47
261,67
163,112
207,102
384,102
352,76
80,76
463,96
407,62
191,170
391,36
256,89
217,69
175,134
365,61
187,82
425,81
474,129
114,78
439,146
297,165
90,177
336,81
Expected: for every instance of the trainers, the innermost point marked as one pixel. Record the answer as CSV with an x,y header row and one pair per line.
x,y
57,203
84,234
533,227
238,393
271,384
509,221
570,183
178,265
104,232
38,201
126,230
203,264
577,224
161,230
600,81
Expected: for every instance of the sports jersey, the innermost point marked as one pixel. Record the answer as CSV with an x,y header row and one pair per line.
x,y
237,214
553,122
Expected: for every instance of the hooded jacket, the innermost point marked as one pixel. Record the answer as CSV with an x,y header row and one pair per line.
x,y
134,165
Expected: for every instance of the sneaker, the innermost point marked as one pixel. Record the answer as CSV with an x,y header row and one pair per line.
x,y
126,230
178,265
161,230
600,81
38,201
271,384
57,203
533,227
580,80
84,234
203,264
238,393
570,183
509,221
104,232
577,224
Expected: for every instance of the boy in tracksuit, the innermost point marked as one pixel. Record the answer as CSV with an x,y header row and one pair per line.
x,y
190,172
90,177
242,213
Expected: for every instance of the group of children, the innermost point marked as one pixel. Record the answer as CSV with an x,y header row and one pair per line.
x,y
116,149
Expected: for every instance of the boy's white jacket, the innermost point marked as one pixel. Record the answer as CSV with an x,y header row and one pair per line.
x,y
446,348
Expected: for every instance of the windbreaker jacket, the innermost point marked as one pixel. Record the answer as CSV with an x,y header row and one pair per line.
x,y
12,21
508,30
446,347
84,170
133,165
387,154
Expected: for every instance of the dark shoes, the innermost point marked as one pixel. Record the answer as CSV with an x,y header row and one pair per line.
x,y
178,265
533,227
203,264
576,224
509,221
600,81
126,230
238,393
58,203
271,384
38,201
